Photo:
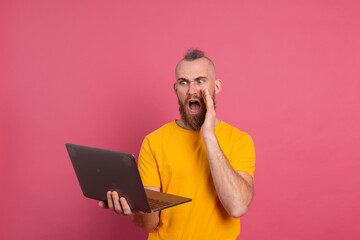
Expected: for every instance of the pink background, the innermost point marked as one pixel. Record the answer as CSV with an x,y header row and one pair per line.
x,y
100,73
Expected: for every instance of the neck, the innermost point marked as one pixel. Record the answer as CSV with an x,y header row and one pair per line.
x,y
180,122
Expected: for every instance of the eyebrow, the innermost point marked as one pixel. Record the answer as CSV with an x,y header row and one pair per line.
x,y
201,77
198,78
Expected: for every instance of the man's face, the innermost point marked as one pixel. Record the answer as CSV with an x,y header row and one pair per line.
x,y
191,78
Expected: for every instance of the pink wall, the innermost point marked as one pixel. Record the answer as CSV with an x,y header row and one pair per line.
x,y
100,73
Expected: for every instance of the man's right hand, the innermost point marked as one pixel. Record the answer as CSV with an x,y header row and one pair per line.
x,y
118,205
146,221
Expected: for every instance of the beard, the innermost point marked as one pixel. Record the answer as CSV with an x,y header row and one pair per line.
x,y
194,121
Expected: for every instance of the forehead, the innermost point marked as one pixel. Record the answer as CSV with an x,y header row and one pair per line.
x,y
193,69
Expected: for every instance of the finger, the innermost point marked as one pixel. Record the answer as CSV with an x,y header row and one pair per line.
x,y
208,99
117,206
125,206
110,200
205,97
103,204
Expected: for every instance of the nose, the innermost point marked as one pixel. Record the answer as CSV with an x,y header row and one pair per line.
x,y
193,88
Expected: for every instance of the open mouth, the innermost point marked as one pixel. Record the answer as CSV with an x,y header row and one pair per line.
x,y
194,106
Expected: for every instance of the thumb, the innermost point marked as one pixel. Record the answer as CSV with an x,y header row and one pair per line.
x,y
103,204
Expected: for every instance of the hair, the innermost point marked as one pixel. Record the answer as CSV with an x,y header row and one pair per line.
x,y
194,53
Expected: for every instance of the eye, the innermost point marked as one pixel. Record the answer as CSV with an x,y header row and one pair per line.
x,y
200,81
183,83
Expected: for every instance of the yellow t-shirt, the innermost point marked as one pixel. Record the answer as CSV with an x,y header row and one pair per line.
x,y
175,160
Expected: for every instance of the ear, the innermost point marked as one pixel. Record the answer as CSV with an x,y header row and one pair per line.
x,y
218,86
174,86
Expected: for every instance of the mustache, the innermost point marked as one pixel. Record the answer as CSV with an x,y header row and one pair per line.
x,y
200,99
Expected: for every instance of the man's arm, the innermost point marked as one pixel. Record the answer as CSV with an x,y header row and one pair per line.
x,y
146,221
234,188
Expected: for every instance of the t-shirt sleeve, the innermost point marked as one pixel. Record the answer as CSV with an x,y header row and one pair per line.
x,y
243,154
148,166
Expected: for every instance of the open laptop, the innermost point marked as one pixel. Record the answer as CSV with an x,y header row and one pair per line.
x,y
99,170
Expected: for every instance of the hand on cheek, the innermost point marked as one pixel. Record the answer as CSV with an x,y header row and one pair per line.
x,y
208,127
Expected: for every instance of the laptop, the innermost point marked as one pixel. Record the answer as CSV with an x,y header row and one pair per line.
x,y
99,171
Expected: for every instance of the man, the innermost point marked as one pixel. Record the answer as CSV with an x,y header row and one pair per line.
x,y
197,156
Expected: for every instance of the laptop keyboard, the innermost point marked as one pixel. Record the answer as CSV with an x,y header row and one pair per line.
x,y
154,203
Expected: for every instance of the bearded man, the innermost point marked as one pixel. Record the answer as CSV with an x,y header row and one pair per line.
x,y
197,156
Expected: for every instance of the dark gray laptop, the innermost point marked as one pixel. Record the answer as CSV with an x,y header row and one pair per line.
x,y
100,170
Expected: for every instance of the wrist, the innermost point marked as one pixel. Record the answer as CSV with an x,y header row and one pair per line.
x,y
209,139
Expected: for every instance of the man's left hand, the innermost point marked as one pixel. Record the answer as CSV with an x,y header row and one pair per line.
x,y
208,128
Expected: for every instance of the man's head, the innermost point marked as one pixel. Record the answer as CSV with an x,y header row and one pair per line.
x,y
194,73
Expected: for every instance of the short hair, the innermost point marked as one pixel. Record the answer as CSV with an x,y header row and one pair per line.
x,y
194,53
